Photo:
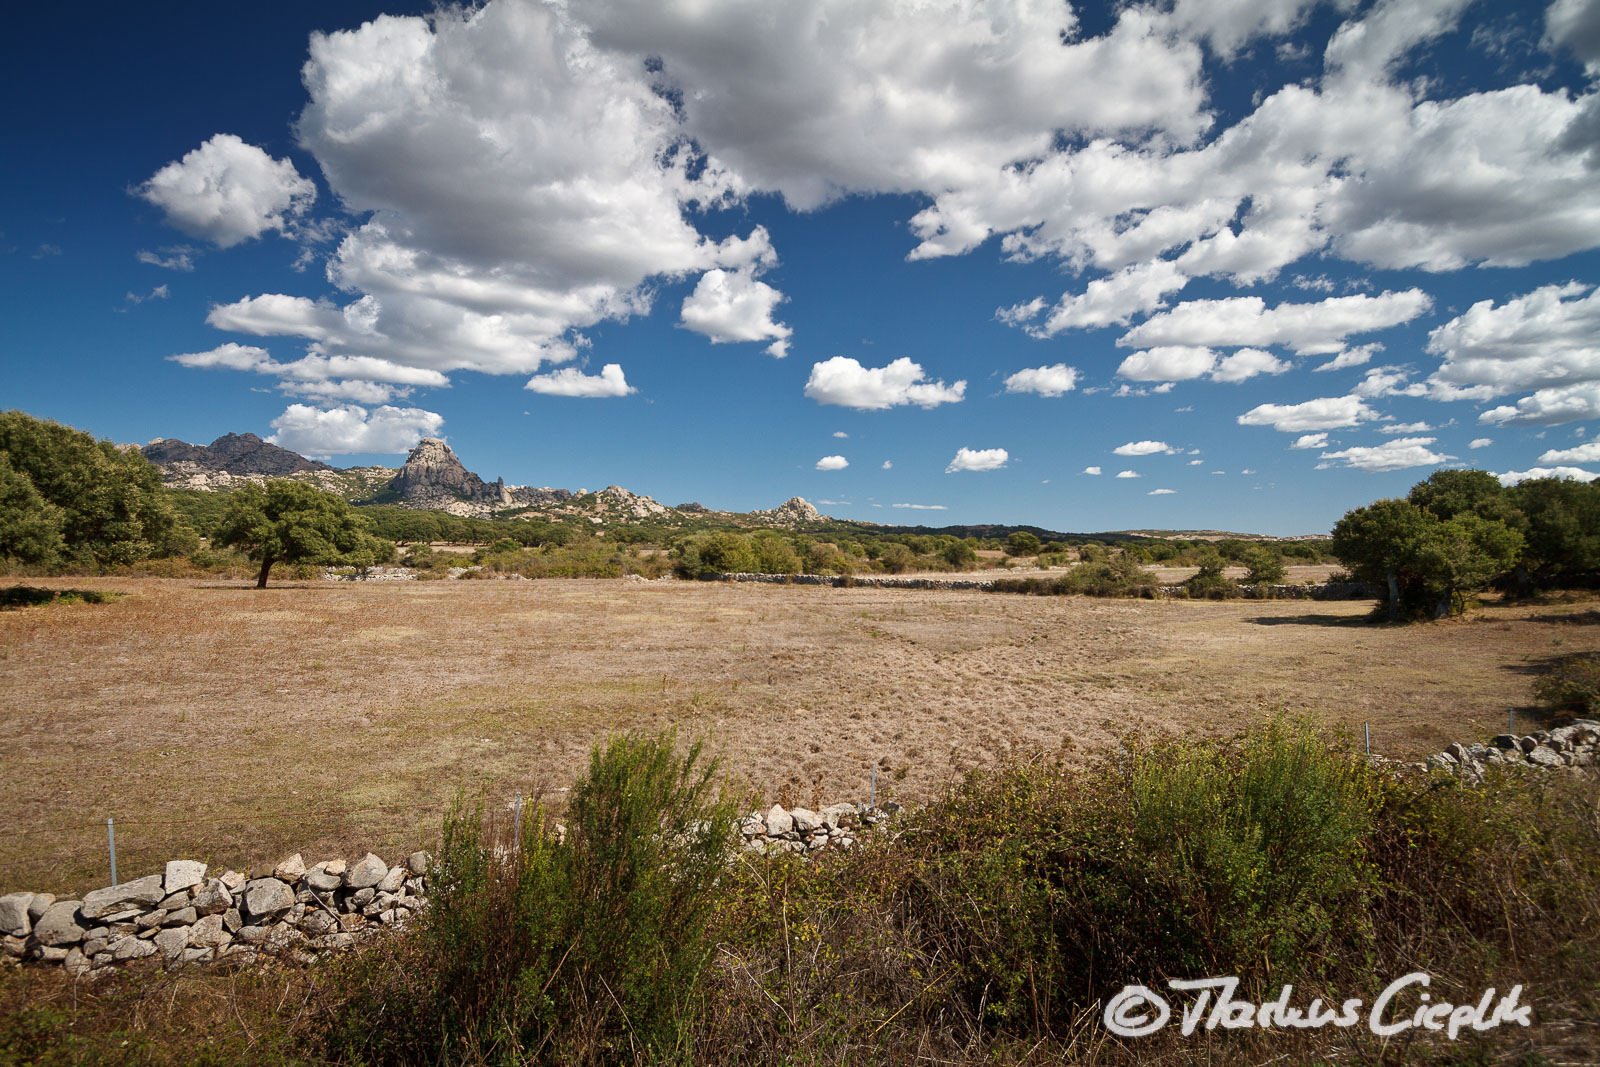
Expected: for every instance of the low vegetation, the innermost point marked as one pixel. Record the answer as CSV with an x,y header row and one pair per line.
x,y
990,928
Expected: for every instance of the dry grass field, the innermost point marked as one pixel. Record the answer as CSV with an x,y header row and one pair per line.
x,y
231,725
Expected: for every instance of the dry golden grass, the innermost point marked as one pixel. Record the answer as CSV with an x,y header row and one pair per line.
x,y
232,725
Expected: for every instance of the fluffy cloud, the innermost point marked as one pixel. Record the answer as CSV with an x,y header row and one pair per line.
x,y
1247,363
1586,453
1311,440
1110,301
231,356
1549,407
1161,492
1480,442
1144,448
734,305
844,381
181,258
1388,381
570,381
1547,339
1306,328
1091,470
1127,474
832,463
1352,357
352,429
1575,24
1405,427
227,192
1168,363
978,459
1323,413
1390,456
923,507
1053,380
1571,473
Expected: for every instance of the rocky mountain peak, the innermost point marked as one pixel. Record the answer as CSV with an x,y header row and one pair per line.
x,y
433,469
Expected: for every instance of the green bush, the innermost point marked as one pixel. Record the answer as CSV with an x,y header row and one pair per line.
x,y
1573,685
582,947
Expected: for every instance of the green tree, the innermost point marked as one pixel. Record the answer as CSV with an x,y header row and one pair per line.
x,y
959,554
1470,492
292,522
774,556
30,526
1023,543
1561,524
112,507
1262,565
1424,564
1379,544
896,558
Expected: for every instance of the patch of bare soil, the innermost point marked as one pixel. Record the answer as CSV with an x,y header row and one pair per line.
x,y
222,723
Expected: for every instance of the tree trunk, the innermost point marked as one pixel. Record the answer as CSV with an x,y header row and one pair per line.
x,y
1394,596
261,579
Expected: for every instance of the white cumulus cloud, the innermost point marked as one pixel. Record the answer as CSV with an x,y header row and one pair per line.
x,y
226,192
832,463
1091,470
978,459
844,381
1127,474
1480,442
1053,380
1323,413
1585,453
570,381
1390,456
1306,328
1247,363
1311,440
1571,473
352,429
1161,492
1144,448
1168,363
1549,407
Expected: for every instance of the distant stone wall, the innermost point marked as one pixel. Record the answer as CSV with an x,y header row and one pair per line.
x,y
1574,745
1326,591
182,916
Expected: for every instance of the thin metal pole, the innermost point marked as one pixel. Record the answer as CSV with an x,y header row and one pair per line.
x,y
1513,713
111,843
519,821
873,803
1367,726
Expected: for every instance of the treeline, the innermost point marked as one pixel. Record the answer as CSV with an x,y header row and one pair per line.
x,y
66,498
1461,531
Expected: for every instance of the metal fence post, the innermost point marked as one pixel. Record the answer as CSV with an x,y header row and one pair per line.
x,y
519,821
873,803
111,843
1367,727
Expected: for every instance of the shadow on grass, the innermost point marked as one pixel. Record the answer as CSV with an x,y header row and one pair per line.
x,y
1574,618
1312,620
17,597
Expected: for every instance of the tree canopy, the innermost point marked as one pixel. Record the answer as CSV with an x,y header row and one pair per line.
x,y
1461,530
64,494
292,522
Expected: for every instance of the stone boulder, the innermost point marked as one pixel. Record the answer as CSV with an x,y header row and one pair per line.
x,y
144,892
181,874
14,914
267,896
59,925
368,871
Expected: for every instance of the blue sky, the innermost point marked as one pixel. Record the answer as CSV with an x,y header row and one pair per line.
x,y
1254,263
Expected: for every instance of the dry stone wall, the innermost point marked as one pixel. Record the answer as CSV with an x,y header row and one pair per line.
x,y
182,915
1575,745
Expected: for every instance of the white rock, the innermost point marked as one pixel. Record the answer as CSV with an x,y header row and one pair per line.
x,y
14,914
368,871
146,892
59,925
778,821
181,874
290,870
267,896
393,880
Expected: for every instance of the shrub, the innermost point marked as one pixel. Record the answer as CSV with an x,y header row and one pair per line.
x,y
1573,685
580,947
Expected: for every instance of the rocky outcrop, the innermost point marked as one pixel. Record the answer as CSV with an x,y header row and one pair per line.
x,y
233,453
615,499
792,512
432,476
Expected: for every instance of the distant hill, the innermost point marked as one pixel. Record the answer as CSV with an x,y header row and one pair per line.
x,y
432,478
233,452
